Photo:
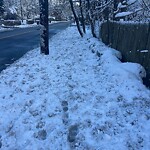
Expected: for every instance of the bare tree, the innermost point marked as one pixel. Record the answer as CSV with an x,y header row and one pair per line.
x,y
1,7
91,17
76,18
82,16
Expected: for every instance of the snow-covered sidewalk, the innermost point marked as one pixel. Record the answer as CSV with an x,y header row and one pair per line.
x,y
79,97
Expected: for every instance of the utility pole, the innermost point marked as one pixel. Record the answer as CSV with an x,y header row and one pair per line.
x,y
44,42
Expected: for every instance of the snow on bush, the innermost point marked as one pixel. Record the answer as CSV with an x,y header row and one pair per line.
x,y
123,14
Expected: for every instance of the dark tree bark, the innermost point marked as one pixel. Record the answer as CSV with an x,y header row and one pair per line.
x,y
106,11
82,16
76,18
91,18
1,7
116,2
21,10
44,42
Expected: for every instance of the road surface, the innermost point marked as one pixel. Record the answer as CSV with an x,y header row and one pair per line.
x,y
15,43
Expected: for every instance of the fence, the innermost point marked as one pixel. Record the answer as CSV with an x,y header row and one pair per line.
x,y
132,40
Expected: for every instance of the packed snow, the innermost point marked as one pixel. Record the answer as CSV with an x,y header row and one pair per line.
x,y
7,28
123,14
4,29
26,25
81,97
144,51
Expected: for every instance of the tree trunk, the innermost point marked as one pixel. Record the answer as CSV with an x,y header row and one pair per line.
x,y
115,3
44,42
76,18
1,7
21,11
91,19
82,17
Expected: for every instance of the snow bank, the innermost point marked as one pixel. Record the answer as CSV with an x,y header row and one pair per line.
x,y
79,97
27,25
4,29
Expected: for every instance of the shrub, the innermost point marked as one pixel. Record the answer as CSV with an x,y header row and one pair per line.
x,y
9,16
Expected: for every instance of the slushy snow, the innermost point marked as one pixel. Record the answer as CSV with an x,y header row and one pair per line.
x,y
81,97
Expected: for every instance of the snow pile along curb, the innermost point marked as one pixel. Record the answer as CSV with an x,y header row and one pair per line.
x,y
4,29
74,99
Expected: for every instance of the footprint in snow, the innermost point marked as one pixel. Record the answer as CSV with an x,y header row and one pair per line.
x,y
73,131
41,135
65,112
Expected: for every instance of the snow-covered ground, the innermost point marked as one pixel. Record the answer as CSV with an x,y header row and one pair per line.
x,y
35,24
79,97
27,25
4,29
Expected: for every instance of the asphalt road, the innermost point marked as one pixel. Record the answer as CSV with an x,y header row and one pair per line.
x,y
15,43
